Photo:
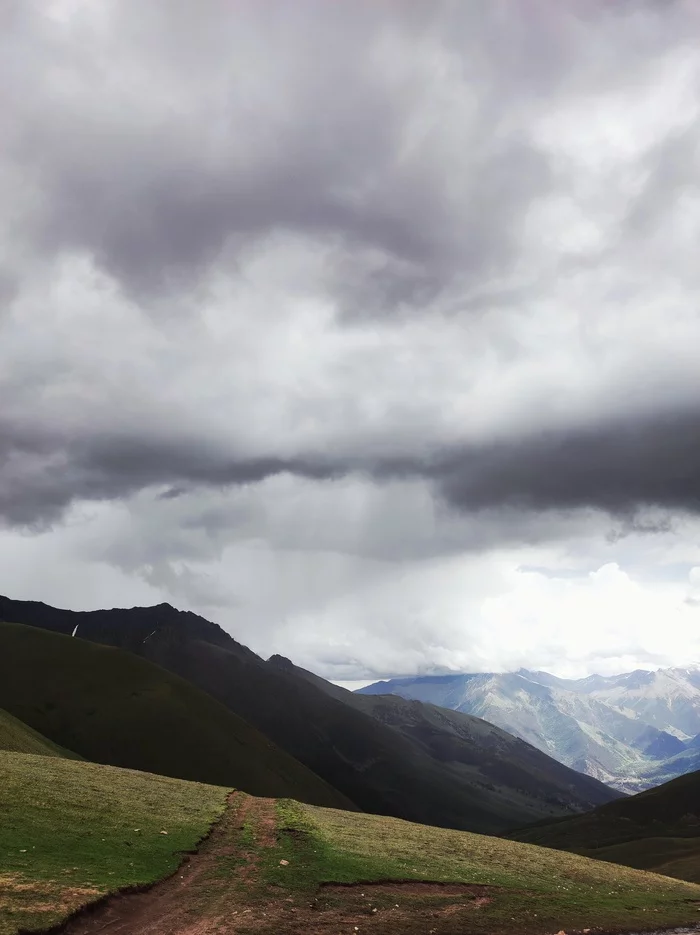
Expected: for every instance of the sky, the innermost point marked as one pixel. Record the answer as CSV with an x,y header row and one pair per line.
x,y
369,330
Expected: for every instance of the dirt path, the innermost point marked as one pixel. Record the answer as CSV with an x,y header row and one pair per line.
x,y
206,894
218,891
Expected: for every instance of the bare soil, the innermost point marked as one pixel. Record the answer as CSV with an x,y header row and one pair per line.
x,y
217,892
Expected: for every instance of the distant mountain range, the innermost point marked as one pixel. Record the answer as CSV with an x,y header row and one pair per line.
x,y
265,722
631,731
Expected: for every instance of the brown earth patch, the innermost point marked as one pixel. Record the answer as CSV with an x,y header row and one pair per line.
x,y
42,896
205,891
218,892
412,888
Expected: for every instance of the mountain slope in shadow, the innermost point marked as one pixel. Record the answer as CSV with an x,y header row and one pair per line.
x,y
113,707
378,765
656,830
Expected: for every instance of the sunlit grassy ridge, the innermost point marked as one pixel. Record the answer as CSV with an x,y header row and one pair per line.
x,y
71,831
535,887
18,737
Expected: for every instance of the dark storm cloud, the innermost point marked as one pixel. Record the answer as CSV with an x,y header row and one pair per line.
x,y
619,468
43,473
170,141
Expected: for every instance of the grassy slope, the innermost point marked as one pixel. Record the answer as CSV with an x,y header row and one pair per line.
x,y
71,831
656,830
543,891
378,766
112,707
17,737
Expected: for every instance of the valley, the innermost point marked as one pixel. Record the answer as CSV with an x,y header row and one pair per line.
x,y
630,731
407,761
155,772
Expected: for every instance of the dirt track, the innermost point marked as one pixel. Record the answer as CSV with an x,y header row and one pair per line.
x,y
198,899
217,892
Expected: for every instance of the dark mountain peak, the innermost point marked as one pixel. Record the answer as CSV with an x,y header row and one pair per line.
x,y
129,627
281,662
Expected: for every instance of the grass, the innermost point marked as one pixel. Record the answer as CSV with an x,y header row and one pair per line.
x,y
113,707
18,737
537,889
72,831
657,830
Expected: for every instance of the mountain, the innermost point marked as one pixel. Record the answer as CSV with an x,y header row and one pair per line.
x,y
518,777
18,737
656,830
630,731
111,707
378,767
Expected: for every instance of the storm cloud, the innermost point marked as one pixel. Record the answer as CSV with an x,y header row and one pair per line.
x,y
370,286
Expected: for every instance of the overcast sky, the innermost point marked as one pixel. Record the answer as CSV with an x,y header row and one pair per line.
x,y
369,330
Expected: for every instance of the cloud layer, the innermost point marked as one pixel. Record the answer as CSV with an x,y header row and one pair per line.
x,y
403,286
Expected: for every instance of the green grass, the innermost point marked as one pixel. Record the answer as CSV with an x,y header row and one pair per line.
x,y
656,830
72,831
538,889
113,707
17,737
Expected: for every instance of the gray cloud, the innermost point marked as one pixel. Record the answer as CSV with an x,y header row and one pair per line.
x,y
301,301
415,165
619,467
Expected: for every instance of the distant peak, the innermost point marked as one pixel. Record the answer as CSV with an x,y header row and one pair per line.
x,y
281,662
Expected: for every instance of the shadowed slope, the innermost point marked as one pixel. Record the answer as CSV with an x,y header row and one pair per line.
x,y
112,707
656,830
377,766
18,737
520,775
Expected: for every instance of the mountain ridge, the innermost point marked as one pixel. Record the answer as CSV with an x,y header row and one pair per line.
x,y
631,730
374,764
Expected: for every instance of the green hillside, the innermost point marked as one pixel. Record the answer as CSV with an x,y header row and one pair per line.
x,y
656,830
112,707
73,831
17,737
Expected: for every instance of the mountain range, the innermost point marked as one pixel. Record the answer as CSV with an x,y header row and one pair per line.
x,y
631,731
312,740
